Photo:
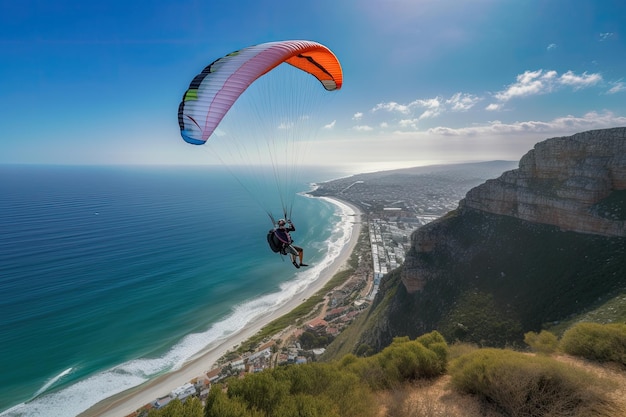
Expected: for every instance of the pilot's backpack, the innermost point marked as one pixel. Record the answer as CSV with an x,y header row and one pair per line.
x,y
275,244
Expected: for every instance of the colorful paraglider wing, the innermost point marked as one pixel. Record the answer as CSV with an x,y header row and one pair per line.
x,y
212,92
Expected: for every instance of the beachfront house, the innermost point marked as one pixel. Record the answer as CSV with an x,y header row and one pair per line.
x,y
183,391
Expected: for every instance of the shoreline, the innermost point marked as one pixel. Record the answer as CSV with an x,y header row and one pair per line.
x,y
127,402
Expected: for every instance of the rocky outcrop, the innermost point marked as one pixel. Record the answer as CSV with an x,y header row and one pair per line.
x,y
575,183
563,182
540,244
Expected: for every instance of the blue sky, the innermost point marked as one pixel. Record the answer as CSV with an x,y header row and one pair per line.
x,y
425,81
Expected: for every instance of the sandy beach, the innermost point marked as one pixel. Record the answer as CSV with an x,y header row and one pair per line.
x,y
129,401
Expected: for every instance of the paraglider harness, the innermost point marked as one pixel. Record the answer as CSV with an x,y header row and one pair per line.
x,y
277,243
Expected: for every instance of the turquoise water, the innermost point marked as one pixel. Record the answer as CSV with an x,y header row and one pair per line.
x,y
110,276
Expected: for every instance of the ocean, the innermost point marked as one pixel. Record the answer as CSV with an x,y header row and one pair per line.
x,y
111,276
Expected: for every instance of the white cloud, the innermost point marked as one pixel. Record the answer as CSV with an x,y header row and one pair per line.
x,y
529,83
551,46
392,106
357,116
429,114
573,124
496,139
419,112
431,103
462,101
431,107
579,81
330,125
606,35
618,87
410,123
532,83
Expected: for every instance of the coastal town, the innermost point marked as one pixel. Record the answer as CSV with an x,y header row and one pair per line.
x,y
392,205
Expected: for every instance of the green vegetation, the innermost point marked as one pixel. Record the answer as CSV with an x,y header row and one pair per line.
x,y
506,382
402,361
521,385
458,349
309,339
608,309
192,407
591,341
492,280
310,390
345,342
512,276
477,319
545,342
342,388
598,342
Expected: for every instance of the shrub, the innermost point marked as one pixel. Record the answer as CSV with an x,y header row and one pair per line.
x,y
544,342
305,405
367,370
406,360
192,407
403,360
260,391
365,350
598,342
219,405
435,342
460,348
523,385
340,391
312,390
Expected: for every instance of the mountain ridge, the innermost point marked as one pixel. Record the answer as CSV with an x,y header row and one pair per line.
x,y
560,182
485,273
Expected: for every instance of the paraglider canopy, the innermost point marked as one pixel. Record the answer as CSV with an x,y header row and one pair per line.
x,y
213,92
257,108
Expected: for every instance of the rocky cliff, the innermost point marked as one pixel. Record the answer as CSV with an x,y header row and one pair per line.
x,y
563,182
537,245
576,183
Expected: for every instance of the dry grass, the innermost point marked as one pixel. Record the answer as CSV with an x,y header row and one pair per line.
x,y
612,373
431,399
436,398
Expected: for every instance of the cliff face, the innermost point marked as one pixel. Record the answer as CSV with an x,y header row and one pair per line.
x,y
560,182
538,245
564,182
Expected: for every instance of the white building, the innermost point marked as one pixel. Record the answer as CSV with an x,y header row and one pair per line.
x,y
183,391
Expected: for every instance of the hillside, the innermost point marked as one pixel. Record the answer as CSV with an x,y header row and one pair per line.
x,y
487,276
435,398
538,245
